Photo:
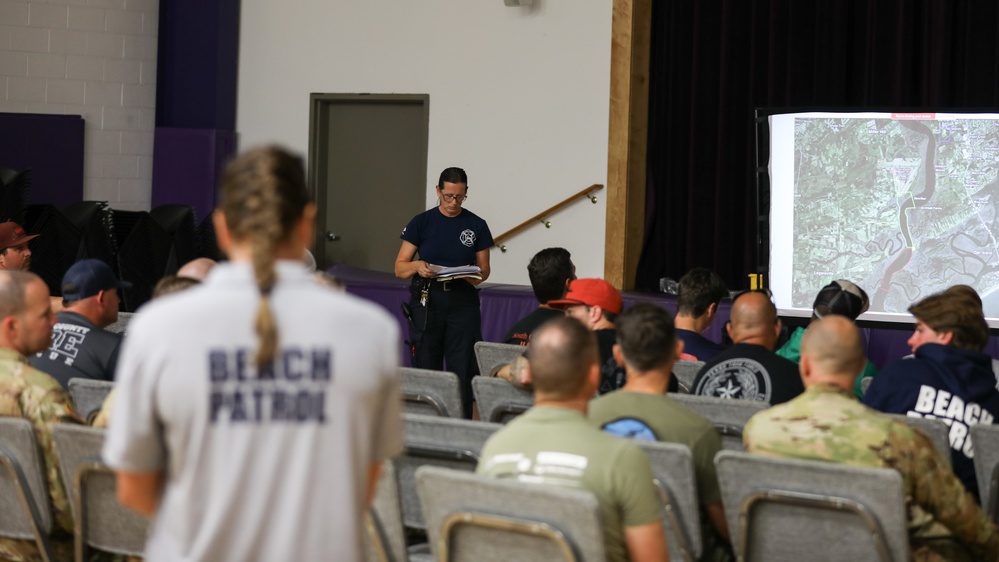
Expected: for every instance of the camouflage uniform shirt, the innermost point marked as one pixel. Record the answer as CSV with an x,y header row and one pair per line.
x,y
827,423
28,393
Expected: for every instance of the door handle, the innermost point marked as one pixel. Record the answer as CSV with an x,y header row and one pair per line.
x,y
332,236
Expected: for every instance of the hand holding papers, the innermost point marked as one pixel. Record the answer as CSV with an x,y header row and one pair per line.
x,y
442,273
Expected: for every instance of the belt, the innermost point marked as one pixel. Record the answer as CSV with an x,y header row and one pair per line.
x,y
449,284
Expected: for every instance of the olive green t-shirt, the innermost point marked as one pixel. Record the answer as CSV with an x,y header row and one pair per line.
x,y
657,417
558,446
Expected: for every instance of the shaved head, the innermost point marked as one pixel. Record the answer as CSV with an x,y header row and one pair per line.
x,y
754,320
834,348
13,287
560,356
196,269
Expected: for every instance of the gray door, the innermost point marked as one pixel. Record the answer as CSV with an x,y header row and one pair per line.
x,y
368,165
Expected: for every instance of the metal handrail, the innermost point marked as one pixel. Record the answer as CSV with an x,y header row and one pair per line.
x,y
542,216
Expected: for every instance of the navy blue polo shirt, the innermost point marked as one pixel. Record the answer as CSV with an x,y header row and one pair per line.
x,y
448,241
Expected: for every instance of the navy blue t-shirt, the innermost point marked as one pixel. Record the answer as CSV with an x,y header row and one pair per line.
x,y
697,345
448,241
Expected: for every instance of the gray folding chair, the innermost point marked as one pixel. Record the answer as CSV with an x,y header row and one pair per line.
x,y
728,416
790,510
101,522
499,401
120,325
936,430
88,395
673,469
431,393
685,372
985,440
385,539
24,491
472,518
449,442
489,355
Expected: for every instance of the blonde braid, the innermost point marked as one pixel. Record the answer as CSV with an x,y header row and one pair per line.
x,y
263,197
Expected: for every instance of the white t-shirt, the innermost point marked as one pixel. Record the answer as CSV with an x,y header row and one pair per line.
x,y
258,466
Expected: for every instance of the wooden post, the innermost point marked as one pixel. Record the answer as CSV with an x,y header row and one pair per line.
x,y
627,139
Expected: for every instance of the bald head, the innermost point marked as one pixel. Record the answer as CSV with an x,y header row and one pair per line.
x,y
26,316
13,287
196,269
561,355
754,320
831,351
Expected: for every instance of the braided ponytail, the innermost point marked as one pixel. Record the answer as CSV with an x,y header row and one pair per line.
x,y
263,197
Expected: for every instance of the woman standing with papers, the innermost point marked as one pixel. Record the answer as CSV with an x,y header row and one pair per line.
x,y
443,310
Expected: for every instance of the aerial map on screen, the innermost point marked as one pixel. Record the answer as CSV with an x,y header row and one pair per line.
x,y
904,206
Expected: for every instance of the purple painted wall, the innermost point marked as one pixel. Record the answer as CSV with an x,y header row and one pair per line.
x,y
52,147
195,100
187,165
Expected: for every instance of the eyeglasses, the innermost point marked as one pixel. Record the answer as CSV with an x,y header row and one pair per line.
x,y
449,197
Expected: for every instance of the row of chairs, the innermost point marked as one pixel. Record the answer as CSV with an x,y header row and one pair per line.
x,y
452,444
437,393
777,509
100,522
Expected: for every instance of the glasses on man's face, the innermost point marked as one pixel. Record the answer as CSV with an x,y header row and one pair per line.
x,y
449,197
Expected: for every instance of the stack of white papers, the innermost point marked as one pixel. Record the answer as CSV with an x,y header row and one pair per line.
x,y
442,273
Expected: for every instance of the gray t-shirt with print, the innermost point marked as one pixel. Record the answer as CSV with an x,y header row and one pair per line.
x,y
260,464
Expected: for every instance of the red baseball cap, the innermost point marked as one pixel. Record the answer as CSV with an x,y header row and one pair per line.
x,y
591,292
11,234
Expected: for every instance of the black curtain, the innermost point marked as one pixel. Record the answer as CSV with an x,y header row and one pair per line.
x,y
713,62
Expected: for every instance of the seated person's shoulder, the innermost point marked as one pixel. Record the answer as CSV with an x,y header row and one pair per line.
x,y
41,396
103,417
43,382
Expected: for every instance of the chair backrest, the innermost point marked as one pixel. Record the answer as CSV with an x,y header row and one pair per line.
x,y
431,393
120,325
498,400
489,355
728,416
385,538
685,372
673,468
88,395
472,518
448,442
101,522
985,440
936,430
781,509
24,491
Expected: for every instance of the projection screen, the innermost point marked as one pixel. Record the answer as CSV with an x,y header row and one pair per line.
x,y
903,204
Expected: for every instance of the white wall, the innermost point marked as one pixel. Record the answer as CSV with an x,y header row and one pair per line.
x,y
518,97
93,58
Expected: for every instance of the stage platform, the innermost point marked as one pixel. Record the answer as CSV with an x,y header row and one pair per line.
x,y
503,305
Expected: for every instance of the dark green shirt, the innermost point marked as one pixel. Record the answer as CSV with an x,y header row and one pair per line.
x,y
670,422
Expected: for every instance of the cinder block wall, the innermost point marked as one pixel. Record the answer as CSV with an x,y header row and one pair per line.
x,y
95,58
